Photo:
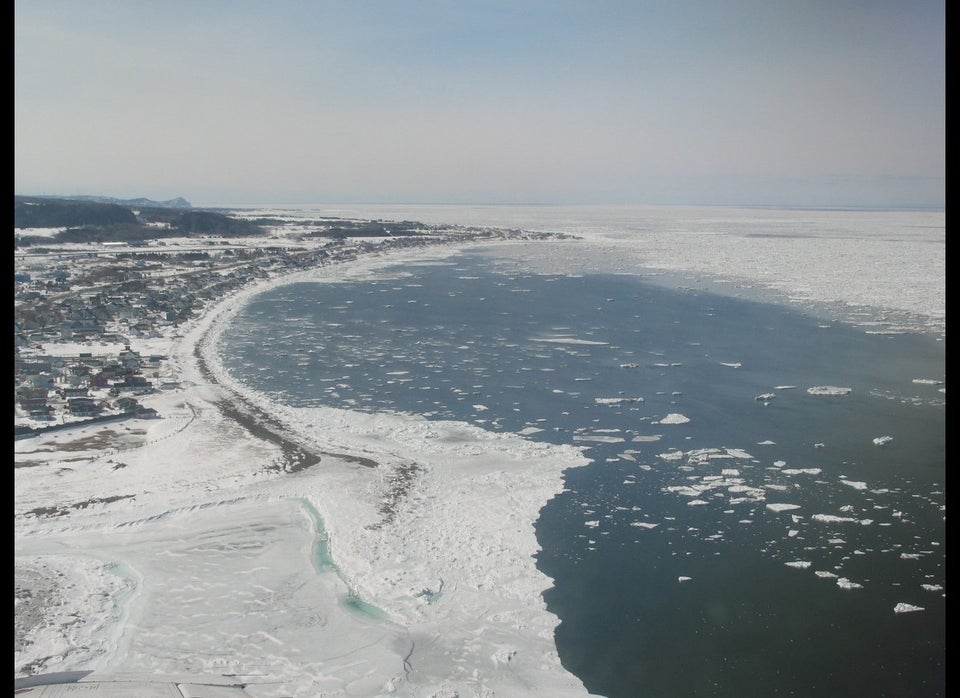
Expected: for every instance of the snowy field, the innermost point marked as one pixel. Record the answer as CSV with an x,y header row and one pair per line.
x,y
403,562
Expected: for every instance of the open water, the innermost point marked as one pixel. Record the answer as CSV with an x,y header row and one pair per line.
x,y
736,533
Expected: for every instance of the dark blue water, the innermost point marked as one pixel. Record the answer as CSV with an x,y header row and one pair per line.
x,y
670,569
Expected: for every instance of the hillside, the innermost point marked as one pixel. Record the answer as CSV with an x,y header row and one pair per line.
x,y
107,221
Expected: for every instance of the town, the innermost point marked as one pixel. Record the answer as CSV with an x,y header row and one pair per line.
x,y
81,307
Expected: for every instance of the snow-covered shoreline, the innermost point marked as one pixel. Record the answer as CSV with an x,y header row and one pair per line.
x,y
449,562
462,505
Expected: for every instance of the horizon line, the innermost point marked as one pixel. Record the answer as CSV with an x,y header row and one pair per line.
x,y
932,207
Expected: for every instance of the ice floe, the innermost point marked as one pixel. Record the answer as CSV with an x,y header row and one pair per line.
x,y
641,438
906,608
831,518
599,438
569,340
829,390
845,583
855,484
778,507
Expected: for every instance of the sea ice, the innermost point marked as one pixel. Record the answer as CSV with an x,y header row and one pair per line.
x,y
854,484
674,418
671,455
830,518
845,583
598,438
686,491
774,506
569,340
906,608
828,390
750,493
738,453
882,440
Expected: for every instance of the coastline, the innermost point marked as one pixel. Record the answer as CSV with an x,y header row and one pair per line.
x,y
380,486
389,503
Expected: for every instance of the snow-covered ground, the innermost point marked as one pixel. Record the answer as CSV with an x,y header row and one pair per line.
x,y
187,552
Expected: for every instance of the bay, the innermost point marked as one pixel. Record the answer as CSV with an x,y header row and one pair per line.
x,y
672,573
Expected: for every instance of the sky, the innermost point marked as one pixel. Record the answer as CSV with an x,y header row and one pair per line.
x,y
729,102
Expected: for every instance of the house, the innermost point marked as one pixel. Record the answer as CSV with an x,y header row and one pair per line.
x,y
132,384
82,327
33,400
82,406
43,381
127,404
129,359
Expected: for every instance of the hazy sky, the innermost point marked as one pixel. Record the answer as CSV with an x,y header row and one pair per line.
x,y
797,102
